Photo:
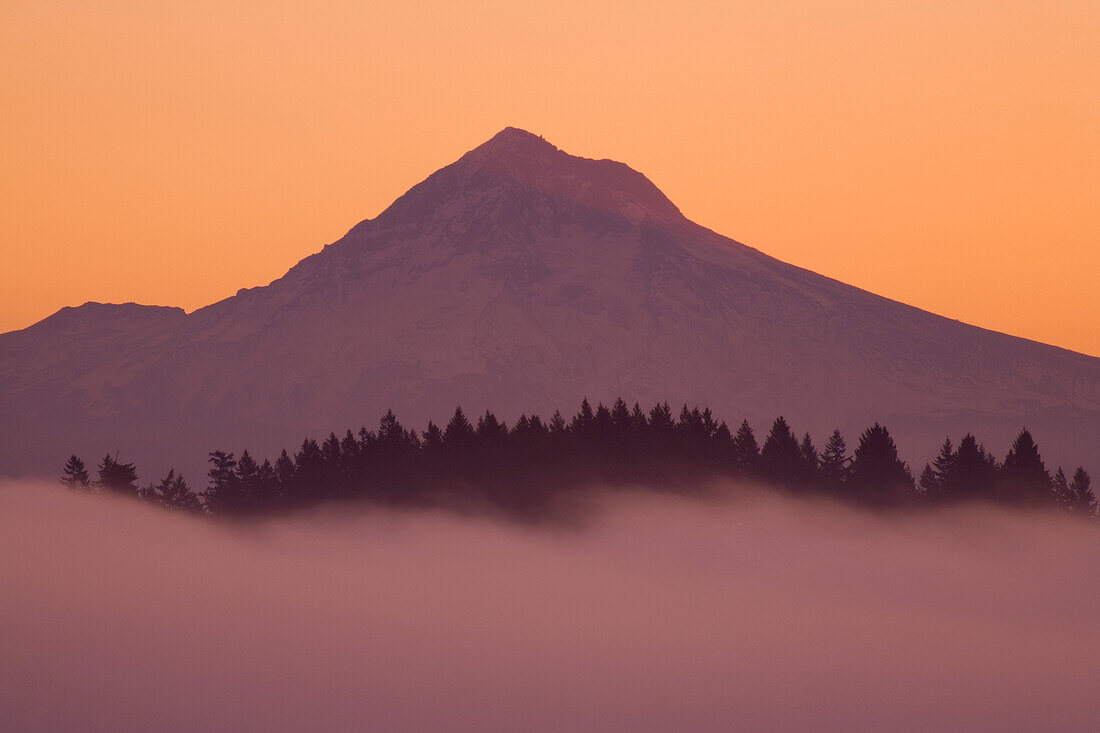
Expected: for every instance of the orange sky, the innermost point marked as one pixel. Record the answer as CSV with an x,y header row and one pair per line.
x,y
943,154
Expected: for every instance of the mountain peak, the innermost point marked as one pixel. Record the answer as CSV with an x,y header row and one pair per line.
x,y
518,164
515,150
512,140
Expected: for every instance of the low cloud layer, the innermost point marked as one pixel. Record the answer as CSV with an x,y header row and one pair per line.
x,y
660,614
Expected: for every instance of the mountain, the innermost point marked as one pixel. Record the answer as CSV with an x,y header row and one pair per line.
x,y
522,278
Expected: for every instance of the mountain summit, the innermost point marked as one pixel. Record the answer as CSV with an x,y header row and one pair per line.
x,y
527,176
521,277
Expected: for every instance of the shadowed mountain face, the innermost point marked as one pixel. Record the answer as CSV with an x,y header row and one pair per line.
x,y
521,278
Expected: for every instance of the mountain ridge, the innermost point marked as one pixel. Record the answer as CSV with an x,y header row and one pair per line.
x,y
520,277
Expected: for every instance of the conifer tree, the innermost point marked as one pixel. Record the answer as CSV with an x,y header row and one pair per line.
x,y
433,437
972,473
249,481
1080,489
393,437
584,420
118,477
708,422
620,418
691,438
927,482
330,449
349,449
223,494
267,486
721,446
1059,487
174,493
74,475
602,422
490,430
1024,477
661,424
557,423
537,427
284,470
834,463
933,479
878,475
746,452
459,434
780,460
808,456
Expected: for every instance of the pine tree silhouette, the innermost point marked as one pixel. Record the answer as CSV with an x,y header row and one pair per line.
x,y
459,434
933,479
223,494
780,459
1084,502
971,472
433,437
878,475
117,477
249,482
834,463
746,452
1059,487
808,469
284,470
1023,476
74,475
173,493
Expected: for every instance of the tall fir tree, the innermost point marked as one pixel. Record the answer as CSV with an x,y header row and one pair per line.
x,y
118,477
933,480
661,424
223,493
1059,487
834,463
250,483
808,469
972,472
745,451
173,493
75,475
1023,476
284,470
620,416
780,460
584,421
459,433
878,475
433,437
1080,489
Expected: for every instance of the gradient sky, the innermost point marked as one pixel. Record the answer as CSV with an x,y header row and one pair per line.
x,y
943,154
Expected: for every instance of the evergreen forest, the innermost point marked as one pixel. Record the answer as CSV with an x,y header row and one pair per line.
x,y
523,468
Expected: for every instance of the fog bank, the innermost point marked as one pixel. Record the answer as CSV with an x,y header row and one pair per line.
x,y
662,613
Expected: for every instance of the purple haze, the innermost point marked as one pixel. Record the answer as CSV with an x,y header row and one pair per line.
x,y
661,614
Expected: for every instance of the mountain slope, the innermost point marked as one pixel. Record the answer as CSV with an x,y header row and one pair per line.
x,y
522,278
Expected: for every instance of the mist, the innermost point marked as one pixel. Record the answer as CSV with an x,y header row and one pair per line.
x,y
757,612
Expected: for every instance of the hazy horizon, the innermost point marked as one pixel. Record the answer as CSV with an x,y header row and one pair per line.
x,y
657,613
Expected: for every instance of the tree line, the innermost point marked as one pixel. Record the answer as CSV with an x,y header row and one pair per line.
x,y
521,468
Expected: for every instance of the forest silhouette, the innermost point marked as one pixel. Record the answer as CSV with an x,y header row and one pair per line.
x,y
522,469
